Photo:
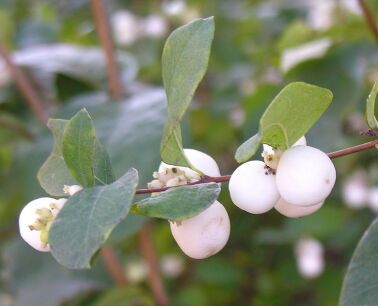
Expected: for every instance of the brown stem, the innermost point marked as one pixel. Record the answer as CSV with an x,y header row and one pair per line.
x,y
104,33
225,178
25,87
154,277
370,19
354,149
113,266
16,126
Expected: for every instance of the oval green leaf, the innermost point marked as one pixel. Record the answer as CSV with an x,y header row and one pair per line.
x,y
78,147
292,113
361,280
184,63
179,203
53,174
88,218
370,107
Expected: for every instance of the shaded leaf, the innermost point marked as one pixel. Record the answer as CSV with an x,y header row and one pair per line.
x,y
103,172
179,203
370,107
53,174
88,218
171,150
361,280
78,147
35,278
184,63
248,148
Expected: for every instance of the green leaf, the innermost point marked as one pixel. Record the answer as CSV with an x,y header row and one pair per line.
x,y
171,150
184,63
248,148
292,113
37,279
88,218
288,117
361,280
84,155
370,107
53,174
179,203
103,172
78,147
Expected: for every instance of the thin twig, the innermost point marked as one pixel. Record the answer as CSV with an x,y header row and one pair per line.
x,y
104,33
16,126
25,87
154,276
113,266
225,178
351,150
370,19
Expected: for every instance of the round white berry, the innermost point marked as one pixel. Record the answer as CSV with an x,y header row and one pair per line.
x,y
355,190
305,176
28,218
300,142
295,211
201,161
253,187
309,256
373,199
272,156
205,234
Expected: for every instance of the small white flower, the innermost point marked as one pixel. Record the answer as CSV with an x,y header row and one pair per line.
x,y
71,190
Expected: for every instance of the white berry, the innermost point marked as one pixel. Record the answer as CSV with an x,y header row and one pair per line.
x,y
305,176
33,221
309,256
272,155
253,187
201,161
295,211
205,234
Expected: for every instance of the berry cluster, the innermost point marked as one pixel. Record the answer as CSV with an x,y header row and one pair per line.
x,y
295,182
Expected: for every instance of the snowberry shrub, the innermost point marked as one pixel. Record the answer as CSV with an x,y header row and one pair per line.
x,y
253,187
205,234
305,176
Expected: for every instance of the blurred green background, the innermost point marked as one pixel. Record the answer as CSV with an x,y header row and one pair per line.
x,y
259,47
